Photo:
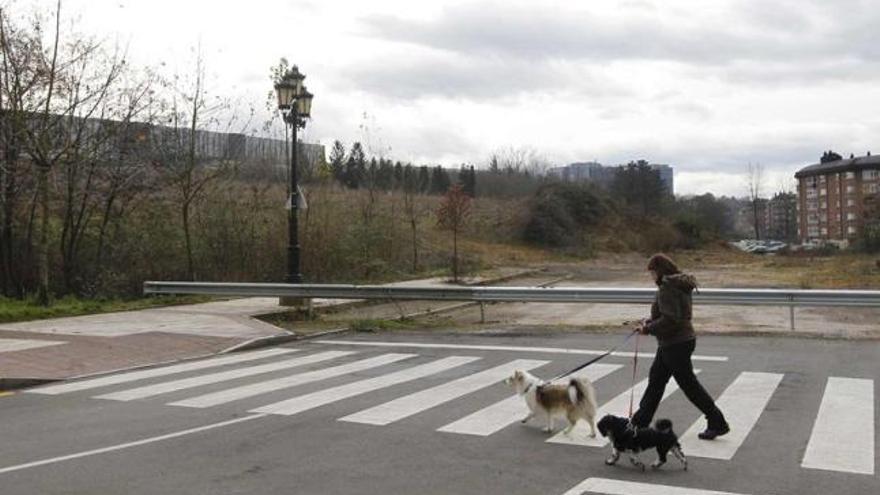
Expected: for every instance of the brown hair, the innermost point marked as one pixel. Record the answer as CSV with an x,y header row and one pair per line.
x,y
663,265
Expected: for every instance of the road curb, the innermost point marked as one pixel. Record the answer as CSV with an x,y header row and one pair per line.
x,y
10,384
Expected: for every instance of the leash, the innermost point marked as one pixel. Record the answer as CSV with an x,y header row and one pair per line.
x,y
597,358
632,389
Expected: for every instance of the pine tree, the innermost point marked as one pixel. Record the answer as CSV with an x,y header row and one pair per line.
x,y
355,167
337,161
424,182
398,176
439,180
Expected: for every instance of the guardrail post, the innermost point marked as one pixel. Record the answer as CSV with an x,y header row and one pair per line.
x,y
482,312
791,311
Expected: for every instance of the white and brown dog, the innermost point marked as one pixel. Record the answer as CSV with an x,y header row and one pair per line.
x,y
574,400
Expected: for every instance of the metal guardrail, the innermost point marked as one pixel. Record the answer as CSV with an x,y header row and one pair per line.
x,y
749,297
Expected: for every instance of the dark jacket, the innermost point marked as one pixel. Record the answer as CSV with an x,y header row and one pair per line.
x,y
671,311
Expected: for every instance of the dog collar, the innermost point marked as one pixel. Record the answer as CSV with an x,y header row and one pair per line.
x,y
528,388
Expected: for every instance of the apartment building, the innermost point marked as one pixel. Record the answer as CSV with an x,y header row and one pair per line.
x,y
835,196
780,217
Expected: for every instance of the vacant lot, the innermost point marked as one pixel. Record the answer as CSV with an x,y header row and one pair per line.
x,y
715,268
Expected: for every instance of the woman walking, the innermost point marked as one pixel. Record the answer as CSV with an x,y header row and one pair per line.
x,y
670,323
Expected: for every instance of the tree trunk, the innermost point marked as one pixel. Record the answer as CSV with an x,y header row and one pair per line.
x,y
415,246
455,255
191,271
43,242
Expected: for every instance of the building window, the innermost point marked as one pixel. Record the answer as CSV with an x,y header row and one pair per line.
x,y
823,192
850,230
850,202
850,189
850,216
869,188
871,174
824,231
850,175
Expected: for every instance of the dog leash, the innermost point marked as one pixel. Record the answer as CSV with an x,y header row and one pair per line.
x,y
632,389
597,358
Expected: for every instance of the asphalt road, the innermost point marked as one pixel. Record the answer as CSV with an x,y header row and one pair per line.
x,y
804,413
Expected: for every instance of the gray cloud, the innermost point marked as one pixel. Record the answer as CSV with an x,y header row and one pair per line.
x,y
761,32
466,77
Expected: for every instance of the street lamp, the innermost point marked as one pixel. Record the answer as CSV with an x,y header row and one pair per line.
x,y
295,103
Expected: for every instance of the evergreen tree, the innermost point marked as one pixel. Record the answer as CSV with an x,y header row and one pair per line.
x,y
372,174
337,161
439,180
385,177
424,181
398,175
467,177
640,188
355,167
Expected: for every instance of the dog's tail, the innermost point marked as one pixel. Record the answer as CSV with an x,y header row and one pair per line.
x,y
663,425
580,389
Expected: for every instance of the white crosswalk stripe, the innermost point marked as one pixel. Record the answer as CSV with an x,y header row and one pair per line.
x,y
843,435
606,486
508,411
619,406
154,372
406,406
545,350
316,399
742,404
222,376
252,390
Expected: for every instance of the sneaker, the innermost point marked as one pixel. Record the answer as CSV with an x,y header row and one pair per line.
x,y
711,434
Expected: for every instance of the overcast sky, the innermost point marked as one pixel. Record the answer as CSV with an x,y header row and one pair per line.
x,y
705,86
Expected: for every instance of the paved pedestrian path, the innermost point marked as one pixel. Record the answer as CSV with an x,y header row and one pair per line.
x,y
62,348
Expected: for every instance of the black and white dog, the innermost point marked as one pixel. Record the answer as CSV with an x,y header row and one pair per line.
x,y
627,438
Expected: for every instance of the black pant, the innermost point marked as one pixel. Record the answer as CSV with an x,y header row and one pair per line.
x,y
675,360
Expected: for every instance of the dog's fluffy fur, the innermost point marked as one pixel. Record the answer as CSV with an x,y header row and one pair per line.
x,y
627,438
574,400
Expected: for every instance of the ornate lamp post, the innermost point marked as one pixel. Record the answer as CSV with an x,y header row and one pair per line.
x,y
295,103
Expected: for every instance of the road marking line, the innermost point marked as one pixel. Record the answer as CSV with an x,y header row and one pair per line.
x,y
843,435
498,416
742,404
122,446
154,372
423,400
245,391
327,396
222,376
616,487
553,350
6,394
618,406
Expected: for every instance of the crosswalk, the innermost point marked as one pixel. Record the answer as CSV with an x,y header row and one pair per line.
x,y
266,382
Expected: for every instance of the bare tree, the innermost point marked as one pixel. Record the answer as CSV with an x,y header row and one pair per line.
x,y
413,210
177,158
452,215
755,179
58,89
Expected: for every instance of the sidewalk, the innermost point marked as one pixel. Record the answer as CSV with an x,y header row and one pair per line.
x,y
57,349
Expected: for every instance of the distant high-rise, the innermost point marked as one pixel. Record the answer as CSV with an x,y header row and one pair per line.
x,y
603,176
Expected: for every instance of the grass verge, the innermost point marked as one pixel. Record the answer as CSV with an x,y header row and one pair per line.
x,y
15,310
